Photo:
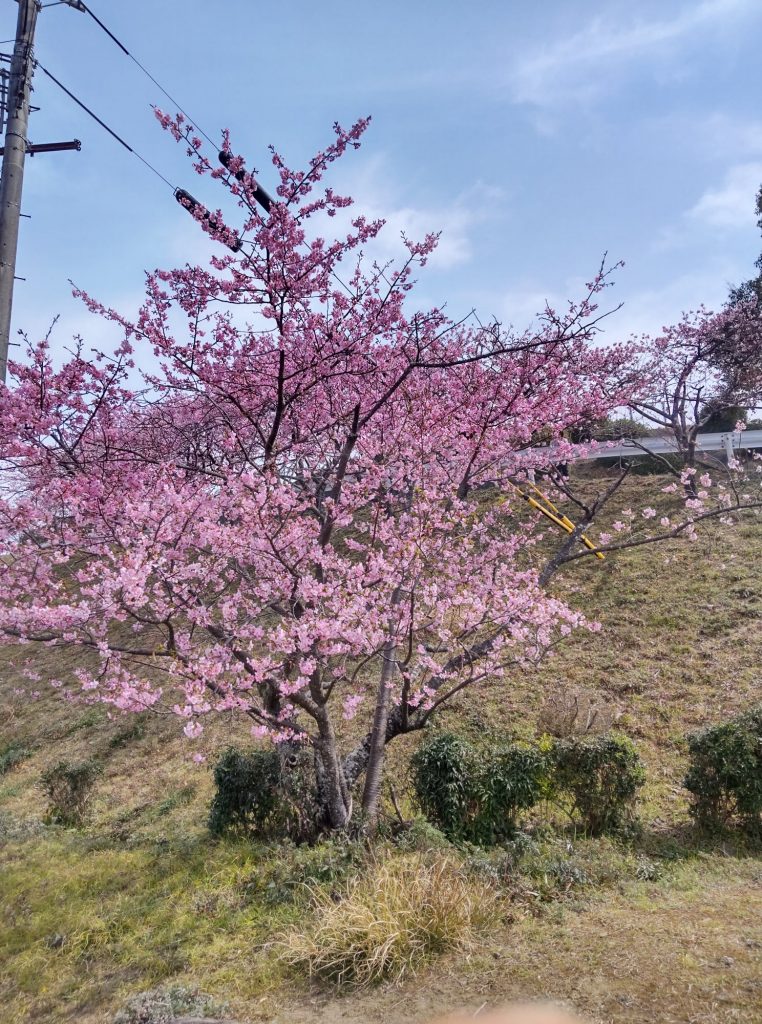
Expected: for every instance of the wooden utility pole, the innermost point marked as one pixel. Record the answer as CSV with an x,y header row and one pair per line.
x,y
12,178
16,94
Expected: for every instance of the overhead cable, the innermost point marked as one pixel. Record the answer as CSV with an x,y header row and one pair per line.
x,y
146,72
103,124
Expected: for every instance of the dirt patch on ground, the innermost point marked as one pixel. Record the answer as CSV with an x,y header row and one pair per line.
x,y
684,956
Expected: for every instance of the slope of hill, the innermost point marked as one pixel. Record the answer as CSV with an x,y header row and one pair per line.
x,y
667,927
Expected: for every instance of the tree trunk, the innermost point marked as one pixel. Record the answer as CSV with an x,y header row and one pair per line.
x,y
375,769
690,462
334,797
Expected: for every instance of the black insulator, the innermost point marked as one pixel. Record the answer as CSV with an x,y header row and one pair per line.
x,y
259,194
189,202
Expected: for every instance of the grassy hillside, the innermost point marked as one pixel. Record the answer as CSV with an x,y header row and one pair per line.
x,y
668,927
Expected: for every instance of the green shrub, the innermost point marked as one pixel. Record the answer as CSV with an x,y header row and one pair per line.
x,y
13,753
476,796
445,783
609,429
512,780
725,772
246,798
642,464
69,788
601,778
724,418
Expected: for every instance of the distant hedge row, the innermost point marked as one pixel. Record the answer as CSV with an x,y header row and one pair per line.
x,y
476,795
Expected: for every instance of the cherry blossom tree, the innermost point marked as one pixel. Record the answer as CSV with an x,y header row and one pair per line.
x,y
306,513
706,364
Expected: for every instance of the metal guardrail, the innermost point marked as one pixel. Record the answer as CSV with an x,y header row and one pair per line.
x,y
728,442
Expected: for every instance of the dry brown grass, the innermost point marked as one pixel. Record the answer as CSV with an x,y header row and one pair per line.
x,y
391,920
685,953
574,712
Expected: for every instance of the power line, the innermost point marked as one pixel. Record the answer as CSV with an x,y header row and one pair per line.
x,y
103,124
260,195
146,72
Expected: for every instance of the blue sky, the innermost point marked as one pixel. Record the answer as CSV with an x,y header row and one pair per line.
x,y
536,136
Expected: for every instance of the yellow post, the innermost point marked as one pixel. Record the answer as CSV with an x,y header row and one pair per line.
x,y
549,510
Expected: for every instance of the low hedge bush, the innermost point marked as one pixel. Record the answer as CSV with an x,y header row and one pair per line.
x,y
725,772
477,796
246,793
601,778
474,795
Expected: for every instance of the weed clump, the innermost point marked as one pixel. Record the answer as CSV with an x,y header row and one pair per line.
x,y
69,789
289,876
390,920
13,754
420,836
164,1005
136,730
571,713
725,773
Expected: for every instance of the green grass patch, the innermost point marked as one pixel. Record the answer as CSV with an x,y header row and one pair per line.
x,y
83,921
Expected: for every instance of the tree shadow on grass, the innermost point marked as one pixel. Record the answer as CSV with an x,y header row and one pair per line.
x,y
685,841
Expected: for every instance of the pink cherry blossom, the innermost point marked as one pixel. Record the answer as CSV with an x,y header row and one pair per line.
x,y
704,365
284,520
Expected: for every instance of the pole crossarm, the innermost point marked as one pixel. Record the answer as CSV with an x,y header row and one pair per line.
x,y
48,147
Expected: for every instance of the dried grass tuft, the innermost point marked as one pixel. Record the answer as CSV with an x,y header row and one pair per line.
x,y
389,921
572,713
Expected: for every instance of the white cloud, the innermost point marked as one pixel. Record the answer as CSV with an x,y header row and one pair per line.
x,y
32,314
721,133
581,66
524,303
648,310
378,195
521,306
376,192
732,204
643,310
